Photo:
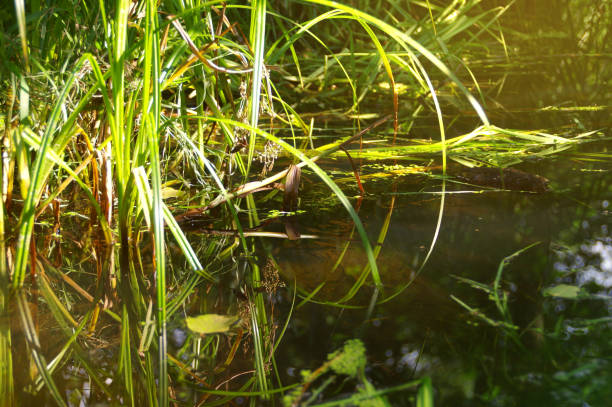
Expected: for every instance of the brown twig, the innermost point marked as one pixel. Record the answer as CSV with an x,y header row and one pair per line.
x,y
357,177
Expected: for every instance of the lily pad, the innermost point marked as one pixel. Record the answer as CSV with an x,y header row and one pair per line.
x,y
211,323
563,291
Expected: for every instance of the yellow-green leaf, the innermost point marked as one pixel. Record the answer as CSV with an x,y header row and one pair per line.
x,y
562,291
168,193
211,323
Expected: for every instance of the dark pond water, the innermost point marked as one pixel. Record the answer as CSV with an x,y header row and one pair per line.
x,y
562,345
446,324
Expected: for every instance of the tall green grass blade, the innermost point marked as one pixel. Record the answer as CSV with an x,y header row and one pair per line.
x,y
258,37
21,23
6,360
151,76
425,393
125,356
24,99
121,144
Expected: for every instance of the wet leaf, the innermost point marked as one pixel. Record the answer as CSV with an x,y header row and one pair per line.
x,y
562,291
211,323
168,193
350,360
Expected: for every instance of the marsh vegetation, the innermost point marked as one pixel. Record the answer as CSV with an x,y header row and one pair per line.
x,y
305,203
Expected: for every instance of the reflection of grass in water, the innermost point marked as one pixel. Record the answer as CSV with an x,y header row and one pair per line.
x,y
563,341
167,106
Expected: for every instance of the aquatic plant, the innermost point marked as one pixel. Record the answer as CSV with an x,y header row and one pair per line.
x,y
349,361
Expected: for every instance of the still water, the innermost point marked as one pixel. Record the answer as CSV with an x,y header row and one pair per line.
x,y
549,340
557,351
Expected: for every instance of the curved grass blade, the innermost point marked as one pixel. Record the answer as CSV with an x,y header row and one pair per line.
x,y
294,56
305,28
260,369
183,243
387,65
442,193
443,142
379,244
409,44
331,184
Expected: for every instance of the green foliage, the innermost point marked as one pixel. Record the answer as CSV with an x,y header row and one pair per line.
x,y
498,296
211,323
563,291
125,98
350,360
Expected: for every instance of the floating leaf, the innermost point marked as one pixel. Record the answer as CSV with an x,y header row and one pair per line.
x,y
211,323
562,291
